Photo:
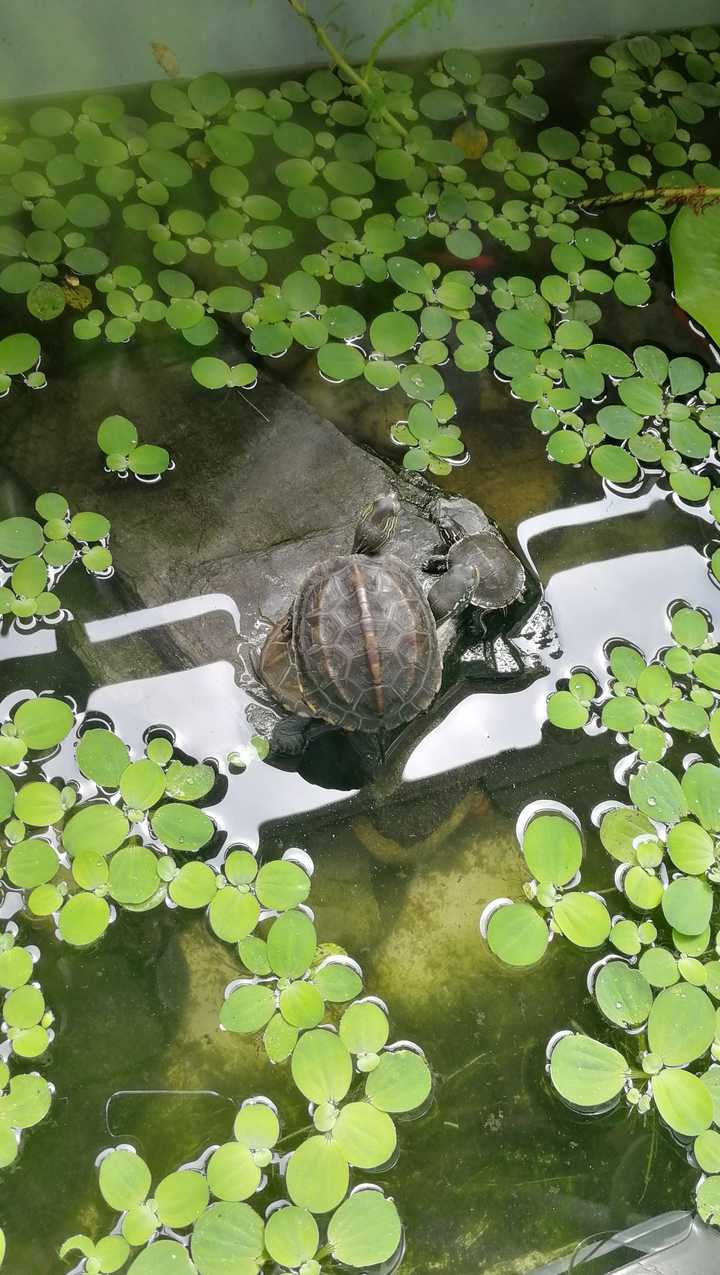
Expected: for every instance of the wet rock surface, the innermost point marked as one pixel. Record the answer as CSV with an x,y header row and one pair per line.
x,y
263,487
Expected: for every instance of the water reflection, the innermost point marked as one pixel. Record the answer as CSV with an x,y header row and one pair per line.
x,y
625,595
206,710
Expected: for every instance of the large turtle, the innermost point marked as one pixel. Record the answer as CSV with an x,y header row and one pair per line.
x,y
474,563
359,646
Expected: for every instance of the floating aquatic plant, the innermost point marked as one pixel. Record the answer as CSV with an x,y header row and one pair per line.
x,y
203,1206
34,555
645,702
20,356
343,144
119,440
135,842
27,1024
661,984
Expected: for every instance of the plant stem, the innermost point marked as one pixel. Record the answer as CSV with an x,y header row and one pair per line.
x,y
323,39
408,16
696,196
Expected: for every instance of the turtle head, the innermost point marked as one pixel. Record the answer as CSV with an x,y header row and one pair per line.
x,y
457,518
376,524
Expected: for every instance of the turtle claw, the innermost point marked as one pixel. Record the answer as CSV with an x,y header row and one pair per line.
x,y
435,564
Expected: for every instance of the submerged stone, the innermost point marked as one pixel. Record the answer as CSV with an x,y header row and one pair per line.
x,y
264,488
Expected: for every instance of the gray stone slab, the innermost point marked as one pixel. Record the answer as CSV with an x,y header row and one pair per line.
x,y
263,486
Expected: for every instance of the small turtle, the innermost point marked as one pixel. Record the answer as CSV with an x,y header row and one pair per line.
x,y
475,565
358,647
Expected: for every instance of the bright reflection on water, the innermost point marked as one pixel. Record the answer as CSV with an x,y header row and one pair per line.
x,y
625,595
498,1176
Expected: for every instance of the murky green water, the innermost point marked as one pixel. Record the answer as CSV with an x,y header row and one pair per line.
x,y
497,1177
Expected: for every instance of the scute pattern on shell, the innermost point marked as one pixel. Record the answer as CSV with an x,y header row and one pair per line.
x,y
365,643
502,577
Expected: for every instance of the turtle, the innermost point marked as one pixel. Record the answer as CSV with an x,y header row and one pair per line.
x,y
473,562
359,646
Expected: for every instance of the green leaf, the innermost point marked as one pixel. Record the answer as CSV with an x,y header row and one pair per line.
x,y
657,793
683,1101
681,1026
365,1135
43,722
691,849
393,333
622,830
148,460
291,944
279,1039
586,1073
181,1197
39,804
133,876
565,711
164,1257
102,757
686,375
181,827
695,250
552,847
340,362
248,1008
687,905
257,1125
582,918
233,914
659,967
124,1179
613,463
291,1236
20,538
337,980
26,1103
322,1067
31,863
401,1081
707,669
194,886
317,1174
517,934
99,827
623,994
281,885
18,353
142,784
83,919
365,1230
364,1028
117,434
523,329
708,1200
701,786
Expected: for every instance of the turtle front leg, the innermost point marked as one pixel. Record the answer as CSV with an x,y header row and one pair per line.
x,y
286,626
436,564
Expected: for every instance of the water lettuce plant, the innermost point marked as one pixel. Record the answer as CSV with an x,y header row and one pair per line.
x,y
119,441
659,979
136,835
35,554
390,197
196,1220
20,356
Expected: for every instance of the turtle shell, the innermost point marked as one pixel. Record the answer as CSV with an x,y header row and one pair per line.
x,y
276,668
502,576
365,643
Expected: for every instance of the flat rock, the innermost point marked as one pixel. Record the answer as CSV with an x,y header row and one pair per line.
x,y
262,487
